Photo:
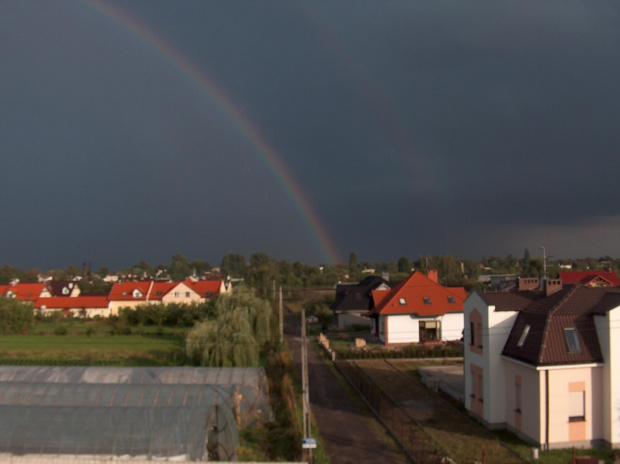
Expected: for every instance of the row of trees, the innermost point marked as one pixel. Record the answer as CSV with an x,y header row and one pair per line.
x,y
261,271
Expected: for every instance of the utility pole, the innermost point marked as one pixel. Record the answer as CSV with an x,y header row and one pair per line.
x,y
281,308
307,442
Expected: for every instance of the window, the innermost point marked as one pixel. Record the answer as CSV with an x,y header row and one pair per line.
x,y
526,330
576,406
158,293
176,294
186,294
427,300
402,301
572,340
429,330
451,300
472,334
518,397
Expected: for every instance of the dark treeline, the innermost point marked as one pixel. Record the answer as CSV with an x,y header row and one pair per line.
x,y
261,271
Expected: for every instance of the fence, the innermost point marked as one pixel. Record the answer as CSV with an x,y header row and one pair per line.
x,y
418,446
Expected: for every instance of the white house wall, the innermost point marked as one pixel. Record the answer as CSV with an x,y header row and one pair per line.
x,y
496,327
402,328
606,328
452,326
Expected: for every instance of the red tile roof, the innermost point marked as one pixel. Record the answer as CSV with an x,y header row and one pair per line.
x,y
421,296
160,289
124,290
205,288
26,291
576,277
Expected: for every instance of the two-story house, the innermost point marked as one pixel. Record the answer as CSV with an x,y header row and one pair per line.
x,y
540,362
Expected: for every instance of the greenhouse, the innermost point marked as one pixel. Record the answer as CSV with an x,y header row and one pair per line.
x,y
133,413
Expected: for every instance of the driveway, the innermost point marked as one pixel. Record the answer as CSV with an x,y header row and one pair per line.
x,y
350,436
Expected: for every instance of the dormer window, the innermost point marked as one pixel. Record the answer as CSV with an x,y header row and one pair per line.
x,y
427,300
570,333
158,293
137,293
65,291
402,301
451,300
526,330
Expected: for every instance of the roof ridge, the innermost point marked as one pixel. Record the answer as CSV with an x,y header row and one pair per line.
x,y
555,308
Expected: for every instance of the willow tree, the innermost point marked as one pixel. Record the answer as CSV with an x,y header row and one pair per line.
x,y
236,335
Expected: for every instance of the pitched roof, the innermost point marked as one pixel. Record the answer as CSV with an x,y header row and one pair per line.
x,y
421,296
205,288
26,291
584,277
160,289
60,287
351,297
554,320
122,290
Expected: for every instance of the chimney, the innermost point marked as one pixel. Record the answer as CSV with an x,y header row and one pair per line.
x,y
552,286
433,274
528,283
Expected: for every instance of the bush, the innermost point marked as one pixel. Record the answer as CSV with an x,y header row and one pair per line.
x,y
61,330
16,317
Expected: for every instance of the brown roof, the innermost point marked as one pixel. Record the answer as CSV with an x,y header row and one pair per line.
x,y
549,319
355,297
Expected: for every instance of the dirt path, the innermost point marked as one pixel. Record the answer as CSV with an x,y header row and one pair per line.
x,y
350,436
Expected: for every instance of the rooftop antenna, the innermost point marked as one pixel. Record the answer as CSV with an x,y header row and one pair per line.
x,y
544,262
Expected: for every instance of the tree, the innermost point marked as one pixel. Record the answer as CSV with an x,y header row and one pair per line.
x,y
16,317
233,264
404,264
353,262
180,268
236,335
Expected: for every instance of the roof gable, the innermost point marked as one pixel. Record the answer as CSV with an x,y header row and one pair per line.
x,y
204,288
554,320
421,296
589,277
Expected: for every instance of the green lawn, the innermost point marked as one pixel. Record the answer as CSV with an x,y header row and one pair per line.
x,y
96,349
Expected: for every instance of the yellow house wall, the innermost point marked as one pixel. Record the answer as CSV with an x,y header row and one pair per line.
x,y
527,422
115,305
182,290
560,381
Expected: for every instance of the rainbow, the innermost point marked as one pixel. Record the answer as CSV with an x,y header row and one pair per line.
x,y
215,94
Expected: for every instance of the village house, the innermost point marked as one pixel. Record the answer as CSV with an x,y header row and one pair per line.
x,y
543,362
354,300
418,309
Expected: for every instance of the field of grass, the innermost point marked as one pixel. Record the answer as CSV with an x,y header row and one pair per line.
x,y
92,350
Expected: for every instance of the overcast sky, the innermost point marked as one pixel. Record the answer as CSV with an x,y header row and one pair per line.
x,y
135,130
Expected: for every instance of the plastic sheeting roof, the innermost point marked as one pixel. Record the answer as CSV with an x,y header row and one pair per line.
x,y
251,376
177,412
194,433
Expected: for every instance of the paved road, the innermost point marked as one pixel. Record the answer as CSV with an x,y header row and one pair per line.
x,y
349,436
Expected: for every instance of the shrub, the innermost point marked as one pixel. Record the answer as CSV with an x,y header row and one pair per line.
x,y
15,316
62,330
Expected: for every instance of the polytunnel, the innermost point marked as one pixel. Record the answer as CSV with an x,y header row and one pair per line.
x,y
247,406
200,433
246,388
130,412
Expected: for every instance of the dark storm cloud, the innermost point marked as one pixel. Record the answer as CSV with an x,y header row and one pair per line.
x,y
412,128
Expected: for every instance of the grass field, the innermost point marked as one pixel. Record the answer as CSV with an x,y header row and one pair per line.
x,y
97,349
